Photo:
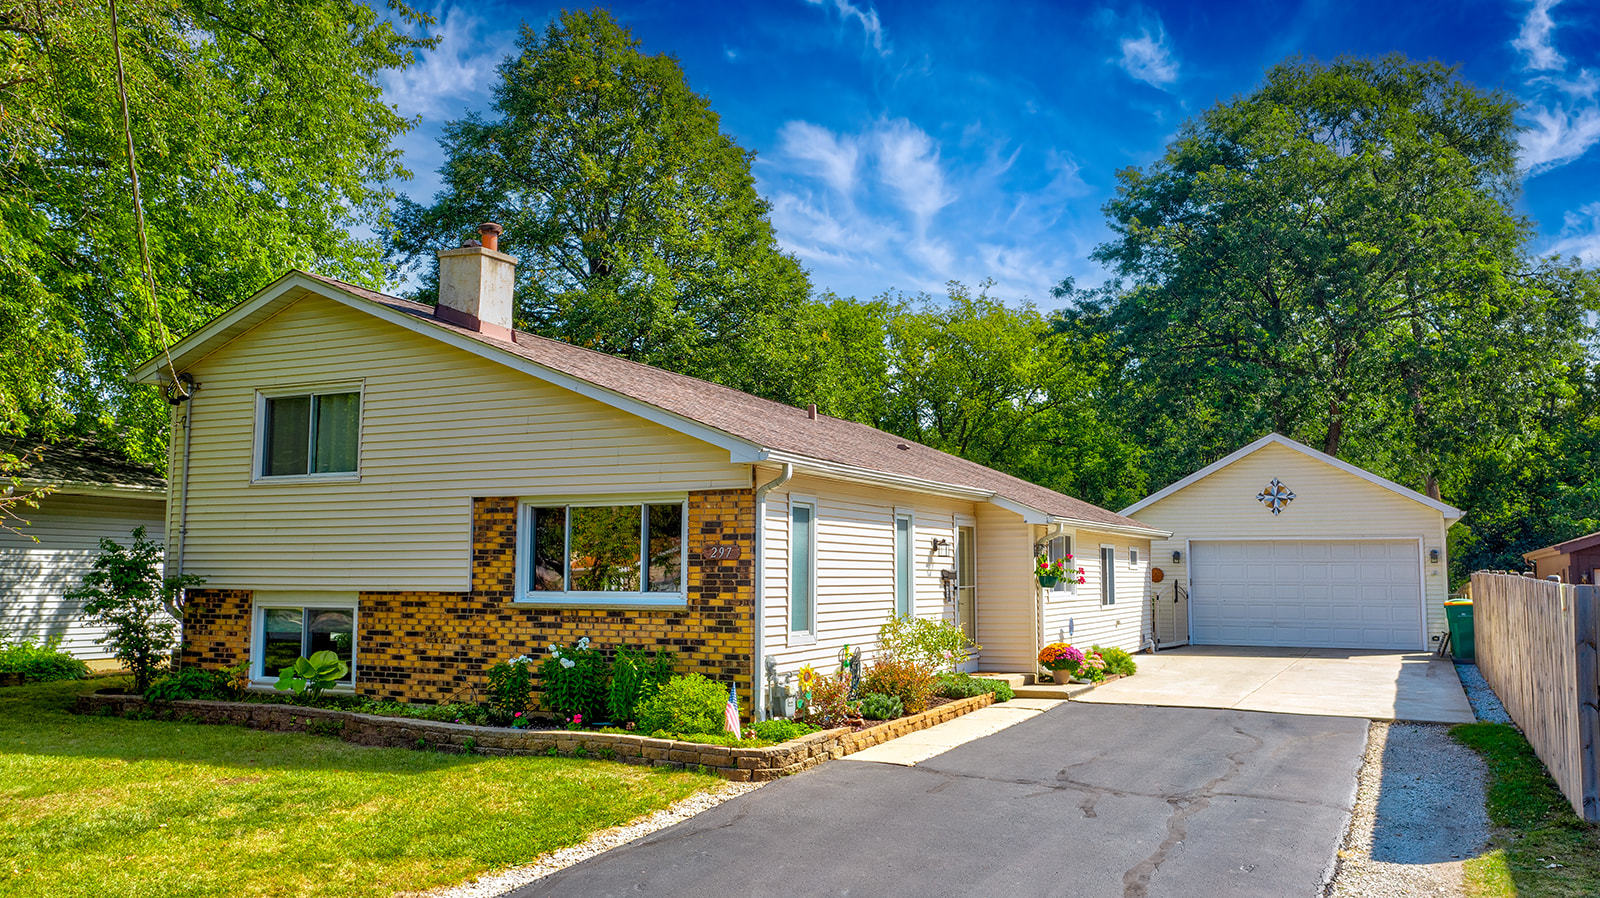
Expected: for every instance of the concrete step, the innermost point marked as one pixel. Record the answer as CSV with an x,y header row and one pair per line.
x,y
1015,679
1050,690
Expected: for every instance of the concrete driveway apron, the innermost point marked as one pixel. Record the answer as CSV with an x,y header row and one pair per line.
x,y
1080,800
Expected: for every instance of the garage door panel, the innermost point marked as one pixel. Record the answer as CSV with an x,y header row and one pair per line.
x,y
1321,593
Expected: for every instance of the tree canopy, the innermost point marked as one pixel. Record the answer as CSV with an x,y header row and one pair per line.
x,y
262,138
636,219
1335,256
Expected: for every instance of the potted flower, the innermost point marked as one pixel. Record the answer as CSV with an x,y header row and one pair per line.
x,y
1052,572
1062,659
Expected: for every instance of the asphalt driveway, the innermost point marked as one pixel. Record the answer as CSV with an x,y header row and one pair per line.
x,y
1410,686
1082,800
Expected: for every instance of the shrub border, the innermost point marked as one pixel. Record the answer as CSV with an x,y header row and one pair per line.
x,y
737,764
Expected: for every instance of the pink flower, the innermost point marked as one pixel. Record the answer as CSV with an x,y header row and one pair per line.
x,y
518,714
577,718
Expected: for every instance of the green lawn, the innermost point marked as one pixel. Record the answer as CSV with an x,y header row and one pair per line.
x,y
106,806
1541,849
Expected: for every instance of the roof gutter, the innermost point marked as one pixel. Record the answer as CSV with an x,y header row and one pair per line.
x,y
90,488
758,682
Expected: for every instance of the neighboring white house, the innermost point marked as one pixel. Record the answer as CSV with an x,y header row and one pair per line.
x,y
432,491
1281,545
94,494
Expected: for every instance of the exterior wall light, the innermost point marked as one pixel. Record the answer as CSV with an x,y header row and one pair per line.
x,y
1177,557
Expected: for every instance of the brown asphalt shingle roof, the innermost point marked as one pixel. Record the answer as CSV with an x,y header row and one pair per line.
x,y
767,424
79,460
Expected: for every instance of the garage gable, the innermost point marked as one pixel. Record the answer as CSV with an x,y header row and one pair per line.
x,y
1299,481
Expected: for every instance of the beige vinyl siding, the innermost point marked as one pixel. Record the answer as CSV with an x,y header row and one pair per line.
x,y
35,576
1076,615
1329,504
1006,590
855,566
438,427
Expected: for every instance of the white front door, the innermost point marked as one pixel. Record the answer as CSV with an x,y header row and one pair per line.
x,y
967,580
1359,594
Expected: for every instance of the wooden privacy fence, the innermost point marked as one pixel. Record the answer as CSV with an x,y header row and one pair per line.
x,y
1536,645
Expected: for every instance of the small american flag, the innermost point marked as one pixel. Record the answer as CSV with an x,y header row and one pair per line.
x,y
730,715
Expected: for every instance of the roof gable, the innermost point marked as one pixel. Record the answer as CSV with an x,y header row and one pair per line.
x,y
752,429
1276,439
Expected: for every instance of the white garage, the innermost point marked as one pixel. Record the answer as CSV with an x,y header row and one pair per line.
x,y
1281,545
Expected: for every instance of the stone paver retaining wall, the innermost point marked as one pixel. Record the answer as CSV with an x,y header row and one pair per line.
x,y
738,764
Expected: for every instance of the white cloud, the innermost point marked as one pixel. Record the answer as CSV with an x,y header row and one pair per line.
x,y
1580,235
867,18
1146,57
1556,135
1539,54
1560,115
908,162
461,68
823,152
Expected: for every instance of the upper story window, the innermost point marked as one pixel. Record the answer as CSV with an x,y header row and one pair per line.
x,y
310,433
602,554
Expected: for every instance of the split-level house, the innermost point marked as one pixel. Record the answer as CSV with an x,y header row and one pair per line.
x,y
427,491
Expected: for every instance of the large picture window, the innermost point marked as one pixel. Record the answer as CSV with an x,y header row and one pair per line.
x,y
602,553
310,433
284,633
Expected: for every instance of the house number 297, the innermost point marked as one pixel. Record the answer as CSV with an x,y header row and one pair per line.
x,y
720,553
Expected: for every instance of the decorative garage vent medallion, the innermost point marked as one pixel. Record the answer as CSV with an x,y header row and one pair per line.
x,y
1276,496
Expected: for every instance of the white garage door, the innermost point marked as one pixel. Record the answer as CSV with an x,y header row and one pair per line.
x,y
1321,593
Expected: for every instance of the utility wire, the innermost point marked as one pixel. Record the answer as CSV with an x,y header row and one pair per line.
x,y
138,203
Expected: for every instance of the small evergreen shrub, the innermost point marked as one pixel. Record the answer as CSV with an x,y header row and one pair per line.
x,y
1117,661
686,705
877,706
635,676
781,730
42,662
192,683
960,685
572,681
910,682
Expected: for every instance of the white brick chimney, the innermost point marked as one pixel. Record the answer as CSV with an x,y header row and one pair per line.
x,y
475,283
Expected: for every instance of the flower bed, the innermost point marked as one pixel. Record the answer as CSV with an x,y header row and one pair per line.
x,y
738,764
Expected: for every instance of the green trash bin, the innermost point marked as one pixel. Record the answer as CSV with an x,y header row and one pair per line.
x,y
1459,616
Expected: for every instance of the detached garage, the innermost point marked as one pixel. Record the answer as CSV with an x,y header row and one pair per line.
x,y
1281,545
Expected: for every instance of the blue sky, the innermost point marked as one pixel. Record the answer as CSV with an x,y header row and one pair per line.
x,y
903,145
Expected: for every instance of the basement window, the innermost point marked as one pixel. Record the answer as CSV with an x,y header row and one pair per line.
x,y
309,434
285,632
602,553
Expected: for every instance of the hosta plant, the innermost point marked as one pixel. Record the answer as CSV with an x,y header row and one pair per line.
x,y
310,676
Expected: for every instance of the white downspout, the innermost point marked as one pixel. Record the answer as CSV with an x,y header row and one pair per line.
x,y
758,680
1051,531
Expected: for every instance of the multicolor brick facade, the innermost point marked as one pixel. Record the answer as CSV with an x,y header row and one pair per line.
x,y
436,646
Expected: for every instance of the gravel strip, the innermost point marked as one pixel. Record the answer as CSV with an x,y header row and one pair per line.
x,y
1419,813
1485,704
499,883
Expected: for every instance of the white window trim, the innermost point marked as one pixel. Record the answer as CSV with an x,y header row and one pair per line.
x,y
1108,576
338,601
911,558
258,443
1068,583
593,598
801,637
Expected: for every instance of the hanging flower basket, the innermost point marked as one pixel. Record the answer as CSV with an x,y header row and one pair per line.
x,y
1048,581
1052,572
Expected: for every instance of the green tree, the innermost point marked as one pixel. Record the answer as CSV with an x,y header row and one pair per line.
x,y
636,219
1335,256
262,139
125,592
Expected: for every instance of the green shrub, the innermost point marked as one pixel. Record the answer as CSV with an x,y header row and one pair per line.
x,y
877,706
573,681
936,645
686,705
510,690
960,685
1117,661
191,683
825,698
781,730
910,682
41,662
126,593
635,677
